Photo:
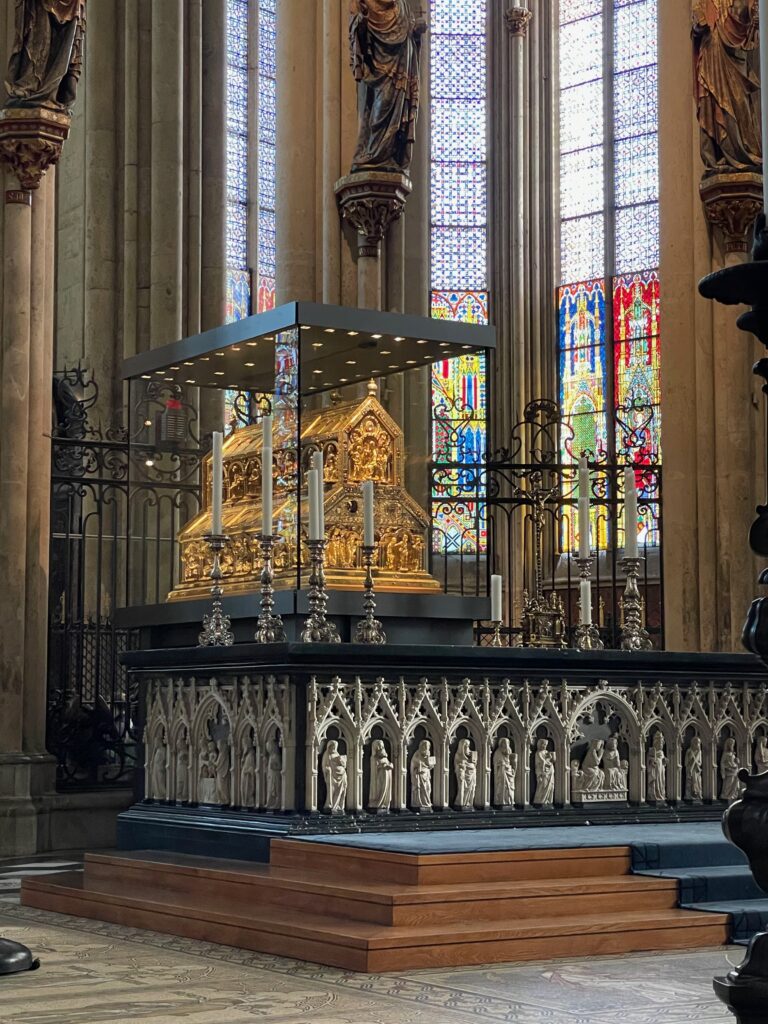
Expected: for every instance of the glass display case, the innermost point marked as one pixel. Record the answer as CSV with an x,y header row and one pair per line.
x,y
352,384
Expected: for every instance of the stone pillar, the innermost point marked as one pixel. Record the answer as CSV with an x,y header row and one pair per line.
x,y
298,25
714,427
167,172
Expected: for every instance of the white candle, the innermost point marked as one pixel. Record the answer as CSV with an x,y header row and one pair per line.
x,y
585,604
630,513
496,613
317,463
313,494
266,431
763,9
217,482
584,538
369,537
266,491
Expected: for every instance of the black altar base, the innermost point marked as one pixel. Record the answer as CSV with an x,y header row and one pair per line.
x,y
404,694
407,617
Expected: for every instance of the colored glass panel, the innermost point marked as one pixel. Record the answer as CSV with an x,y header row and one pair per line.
x,y
459,265
468,307
238,294
267,144
609,360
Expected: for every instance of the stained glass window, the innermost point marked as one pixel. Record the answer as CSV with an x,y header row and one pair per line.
x,y
459,264
265,275
609,298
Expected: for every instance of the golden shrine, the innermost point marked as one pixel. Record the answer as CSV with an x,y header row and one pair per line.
x,y
359,441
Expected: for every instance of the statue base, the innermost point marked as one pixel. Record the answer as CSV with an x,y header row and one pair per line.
x,y
371,201
31,140
731,203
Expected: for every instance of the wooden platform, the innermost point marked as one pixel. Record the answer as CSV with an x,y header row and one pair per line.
x,y
370,911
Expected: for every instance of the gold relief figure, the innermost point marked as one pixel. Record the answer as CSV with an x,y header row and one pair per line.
x,y
331,464
195,559
727,64
227,560
335,551
280,554
252,478
398,556
352,543
415,553
235,481
369,452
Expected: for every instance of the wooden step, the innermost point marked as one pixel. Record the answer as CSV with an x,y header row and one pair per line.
x,y
362,946
204,882
448,869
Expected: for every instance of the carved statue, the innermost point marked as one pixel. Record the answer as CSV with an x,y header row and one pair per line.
x,y
47,56
385,41
616,770
729,772
335,774
208,774
221,768
504,770
656,770
248,774
593,776
182,772
380,792
761,755
274,775
726,48
545,774
422,764
159,770
465,768
693,770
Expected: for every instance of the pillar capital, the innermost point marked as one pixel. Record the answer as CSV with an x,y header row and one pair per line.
x,y
732,201
31,140
518,19
371,201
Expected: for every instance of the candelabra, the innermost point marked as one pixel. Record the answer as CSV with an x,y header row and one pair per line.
x,y
587,635
369,629
217,627
634,636
270,629
317,629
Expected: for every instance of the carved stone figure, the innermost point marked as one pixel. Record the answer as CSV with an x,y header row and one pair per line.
x,y
380,791
182,772
272,799
334,766
248,774
159,770
465,768
729,772
504,771
761,755
207,792
592,772
384,44
693,770
726,47
47,56
422,765
545,774
616,770
656,770
222,768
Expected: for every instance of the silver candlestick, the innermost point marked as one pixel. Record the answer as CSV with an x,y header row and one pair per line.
x,y
317,629
217,627
634,635
587,635
369,629
270,629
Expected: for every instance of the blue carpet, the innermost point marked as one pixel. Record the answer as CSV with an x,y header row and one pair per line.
x,y
713,875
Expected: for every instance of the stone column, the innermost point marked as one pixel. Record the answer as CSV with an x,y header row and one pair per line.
x,y
298,26
167,172
714,427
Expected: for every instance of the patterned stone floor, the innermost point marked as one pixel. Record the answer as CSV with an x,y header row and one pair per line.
x,y
93,972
